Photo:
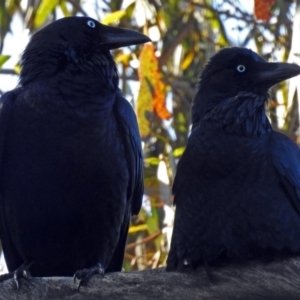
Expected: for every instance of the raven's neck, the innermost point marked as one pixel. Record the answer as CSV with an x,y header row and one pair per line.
x,y
73,74
243,115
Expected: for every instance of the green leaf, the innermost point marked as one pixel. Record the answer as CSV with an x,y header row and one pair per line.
x,y
178,152
17,68
181,123
152,161
153,225
188,59
3,59
64,9
45,8
113,17
134,229
123,58
130,10
7,9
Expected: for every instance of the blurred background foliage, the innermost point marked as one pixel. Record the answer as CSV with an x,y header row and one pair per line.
x,y
160,79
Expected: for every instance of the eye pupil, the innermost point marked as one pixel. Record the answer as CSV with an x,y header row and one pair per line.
x,y
91,24
241,68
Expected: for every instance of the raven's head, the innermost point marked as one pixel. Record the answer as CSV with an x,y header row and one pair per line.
x,y
233,88
234,70
75,45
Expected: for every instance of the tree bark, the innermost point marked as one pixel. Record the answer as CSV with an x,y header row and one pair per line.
x,y
254,280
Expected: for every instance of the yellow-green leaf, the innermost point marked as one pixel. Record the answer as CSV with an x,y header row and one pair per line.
x,y
144,109
17,68
113,17
123,58
3,59
152,160
134,229
44,9
178,152
130,10
64,9
11,6
153,225
189,57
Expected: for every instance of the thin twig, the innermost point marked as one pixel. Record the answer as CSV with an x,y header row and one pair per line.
x,y
144,240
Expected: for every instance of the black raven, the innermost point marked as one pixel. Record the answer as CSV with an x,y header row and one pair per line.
x,y
237,187
70,154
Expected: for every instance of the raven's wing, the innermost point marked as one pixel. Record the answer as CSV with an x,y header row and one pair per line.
x,y
13,260
6,103
128,128
133,150
286,158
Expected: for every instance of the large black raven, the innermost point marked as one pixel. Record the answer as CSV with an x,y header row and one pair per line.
x,y
70,154
237,187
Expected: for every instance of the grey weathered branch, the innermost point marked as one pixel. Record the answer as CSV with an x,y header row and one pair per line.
x,y
276,280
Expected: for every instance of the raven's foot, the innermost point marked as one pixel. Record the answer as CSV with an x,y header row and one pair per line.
x,y
209,273
21,272
83,276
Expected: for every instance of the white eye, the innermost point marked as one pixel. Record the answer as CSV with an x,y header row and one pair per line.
x,y
241,68
91,23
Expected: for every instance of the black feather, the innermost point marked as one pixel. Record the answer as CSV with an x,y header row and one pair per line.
x,y
70,154
237,185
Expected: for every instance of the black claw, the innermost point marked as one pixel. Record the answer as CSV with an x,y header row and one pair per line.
x,y
80,283
209,273
21,272
83,276
16,280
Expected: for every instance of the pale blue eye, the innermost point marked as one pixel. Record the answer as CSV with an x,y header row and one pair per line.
x,y
91,24
241,68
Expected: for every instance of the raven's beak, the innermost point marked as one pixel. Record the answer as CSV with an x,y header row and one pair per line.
x,y
113,37
271,73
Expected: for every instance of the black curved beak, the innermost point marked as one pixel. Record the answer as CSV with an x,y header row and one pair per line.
x,y
113,37
271,73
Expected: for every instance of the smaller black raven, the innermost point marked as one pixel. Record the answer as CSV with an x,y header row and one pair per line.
x,y
237,187
71,166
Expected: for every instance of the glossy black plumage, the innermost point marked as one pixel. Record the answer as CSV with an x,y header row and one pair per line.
x,y
237,187
70,153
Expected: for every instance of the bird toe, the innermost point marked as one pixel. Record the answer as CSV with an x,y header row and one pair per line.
x,y
21,272
83,276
